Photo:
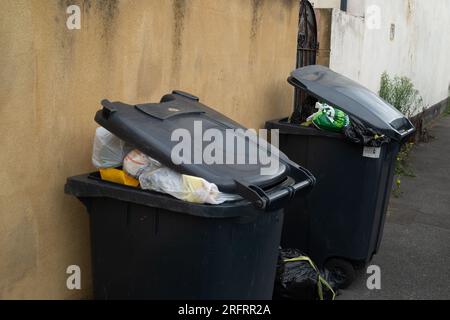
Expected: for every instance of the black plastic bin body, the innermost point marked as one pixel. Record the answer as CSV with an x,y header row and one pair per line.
x,y
347,207
147,245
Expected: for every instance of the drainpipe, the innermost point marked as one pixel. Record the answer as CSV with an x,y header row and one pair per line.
x,y
344,5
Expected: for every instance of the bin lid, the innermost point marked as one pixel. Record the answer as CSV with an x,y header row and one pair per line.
x,y
352,98
157,128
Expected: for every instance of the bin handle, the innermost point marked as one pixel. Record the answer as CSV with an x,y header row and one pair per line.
x,y
408,132
292,81
108,108
405,133
272,200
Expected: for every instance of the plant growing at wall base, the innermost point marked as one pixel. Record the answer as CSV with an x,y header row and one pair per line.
x,y
400,93
402,168
447,111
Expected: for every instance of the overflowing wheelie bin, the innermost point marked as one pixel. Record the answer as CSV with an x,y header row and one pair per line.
x,y
346,210
149,245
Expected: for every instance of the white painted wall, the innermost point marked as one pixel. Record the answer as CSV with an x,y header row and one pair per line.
x,y
420,49
354,7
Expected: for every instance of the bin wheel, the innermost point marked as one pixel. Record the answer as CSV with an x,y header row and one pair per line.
x,y
343,270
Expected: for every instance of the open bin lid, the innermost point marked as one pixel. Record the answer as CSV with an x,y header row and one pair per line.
x,y
149,127
352,98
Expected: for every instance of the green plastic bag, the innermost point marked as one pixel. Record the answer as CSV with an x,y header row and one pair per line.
x,y
329,118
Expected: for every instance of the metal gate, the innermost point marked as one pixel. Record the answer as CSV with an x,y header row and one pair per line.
x,y
307,47
307,35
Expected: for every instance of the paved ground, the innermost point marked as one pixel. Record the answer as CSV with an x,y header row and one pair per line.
x,y
415,252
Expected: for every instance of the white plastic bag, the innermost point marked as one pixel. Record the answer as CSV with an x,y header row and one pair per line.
x,y
108,150
154,176
183,187
136,162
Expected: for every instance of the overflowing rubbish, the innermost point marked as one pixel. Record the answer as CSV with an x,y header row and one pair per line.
x,y
108,150
299,115
118,176
136,163
329,118
333,119
139,169
183,187
298,278
358,133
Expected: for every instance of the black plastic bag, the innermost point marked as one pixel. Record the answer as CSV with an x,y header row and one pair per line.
x,y
299,279
302,112
358,133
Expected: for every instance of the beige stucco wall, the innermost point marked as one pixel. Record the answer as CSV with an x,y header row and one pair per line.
x,y
234,54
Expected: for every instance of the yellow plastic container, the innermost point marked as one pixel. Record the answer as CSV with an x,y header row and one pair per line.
x,y
118,176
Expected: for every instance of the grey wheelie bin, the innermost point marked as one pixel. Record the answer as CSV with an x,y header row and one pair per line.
x,y
148,245
346,210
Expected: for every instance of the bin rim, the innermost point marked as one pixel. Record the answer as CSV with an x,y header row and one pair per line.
x,y
285,127
84,187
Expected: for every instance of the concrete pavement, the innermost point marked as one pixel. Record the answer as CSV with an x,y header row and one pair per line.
x,y
415,251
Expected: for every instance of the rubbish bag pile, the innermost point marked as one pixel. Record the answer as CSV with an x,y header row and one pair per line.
x,y
332,119
119,162
298,278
